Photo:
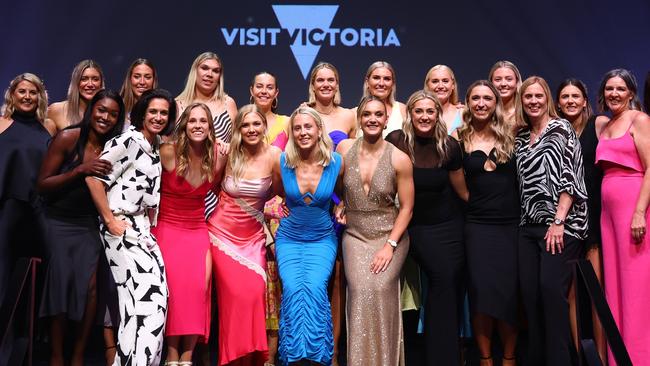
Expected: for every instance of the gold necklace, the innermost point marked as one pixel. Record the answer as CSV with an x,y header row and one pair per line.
x,y
326,113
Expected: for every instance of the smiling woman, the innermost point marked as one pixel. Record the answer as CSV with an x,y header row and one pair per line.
x,y
306,257
381,83
126,197
624,156
86,80
441,82
436,228
24,135
553,220
238,240
190,167
140,77
73,242
375,243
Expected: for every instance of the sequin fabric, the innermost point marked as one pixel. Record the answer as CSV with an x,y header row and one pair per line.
x,y
374,319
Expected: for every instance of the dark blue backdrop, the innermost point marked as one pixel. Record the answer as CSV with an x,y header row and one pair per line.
x,y
552,38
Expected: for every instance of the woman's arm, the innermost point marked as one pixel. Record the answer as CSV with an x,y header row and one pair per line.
x,y
406,193
641,133
457,180
555,234
98,193
276,175
63,145
231,107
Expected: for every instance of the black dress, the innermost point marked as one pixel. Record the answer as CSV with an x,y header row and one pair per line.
x,y
593,181
436,233
22,147
73,247
491,230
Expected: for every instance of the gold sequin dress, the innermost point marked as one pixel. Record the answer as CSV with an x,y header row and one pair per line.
x,y
374,319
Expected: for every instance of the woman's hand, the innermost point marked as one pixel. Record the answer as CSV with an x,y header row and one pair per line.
x,y
382,259
95,167
222,147
638,227
117,227
339,213
555,238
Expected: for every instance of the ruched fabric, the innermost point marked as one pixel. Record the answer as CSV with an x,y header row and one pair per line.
x,y
306,247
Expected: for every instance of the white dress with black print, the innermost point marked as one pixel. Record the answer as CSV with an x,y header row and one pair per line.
x,y
134,258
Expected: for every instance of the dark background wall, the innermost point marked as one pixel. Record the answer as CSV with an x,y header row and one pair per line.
x,y
553,38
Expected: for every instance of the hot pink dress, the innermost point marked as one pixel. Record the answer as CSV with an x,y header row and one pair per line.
x,y
626,264
182,235
239,266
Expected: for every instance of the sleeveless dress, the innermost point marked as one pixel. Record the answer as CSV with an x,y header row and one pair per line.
x,y
374,319
73,248
182,235
491,234
239,267
306,247
626,263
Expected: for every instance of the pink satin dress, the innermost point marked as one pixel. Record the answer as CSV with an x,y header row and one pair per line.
x,y
239,267
182,236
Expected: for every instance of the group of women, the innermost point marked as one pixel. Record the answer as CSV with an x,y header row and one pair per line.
x,y
319,211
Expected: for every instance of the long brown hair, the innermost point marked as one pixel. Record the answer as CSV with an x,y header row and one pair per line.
x,y
503,132
182,144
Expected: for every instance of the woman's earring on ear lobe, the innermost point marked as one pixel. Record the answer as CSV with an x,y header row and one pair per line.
x,y
274,105
250,99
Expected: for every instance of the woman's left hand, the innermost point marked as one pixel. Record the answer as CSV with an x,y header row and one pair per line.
x,y
554,238
382,259
222,147
638,227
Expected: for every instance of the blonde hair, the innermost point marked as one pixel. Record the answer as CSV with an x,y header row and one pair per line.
x,y
505,140
312,77
9,107
453,98
374,66
182,144
440,135
323,147
506,65
236,157
74,102
189,92
522,118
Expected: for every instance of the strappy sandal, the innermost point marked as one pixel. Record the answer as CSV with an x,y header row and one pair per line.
x,y
172,363
185,363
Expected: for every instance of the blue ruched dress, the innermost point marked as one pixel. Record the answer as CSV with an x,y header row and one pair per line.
x,y
306,249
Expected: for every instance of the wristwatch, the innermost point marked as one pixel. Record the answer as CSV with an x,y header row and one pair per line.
x,y
558,221
392,243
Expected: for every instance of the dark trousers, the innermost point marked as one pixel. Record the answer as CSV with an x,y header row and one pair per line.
x,y
544,281
440,253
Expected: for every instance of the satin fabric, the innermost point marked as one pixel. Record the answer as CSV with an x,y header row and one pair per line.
x,y
239,264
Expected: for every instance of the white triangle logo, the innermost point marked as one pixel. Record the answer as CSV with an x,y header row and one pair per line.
x,y
294,18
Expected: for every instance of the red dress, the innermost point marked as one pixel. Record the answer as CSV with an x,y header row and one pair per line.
x,y
182,235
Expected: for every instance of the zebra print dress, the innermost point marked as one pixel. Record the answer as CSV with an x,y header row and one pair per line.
x,y
548,167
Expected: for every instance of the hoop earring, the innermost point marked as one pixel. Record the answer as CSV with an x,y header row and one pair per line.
x,y
250,99
274,104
